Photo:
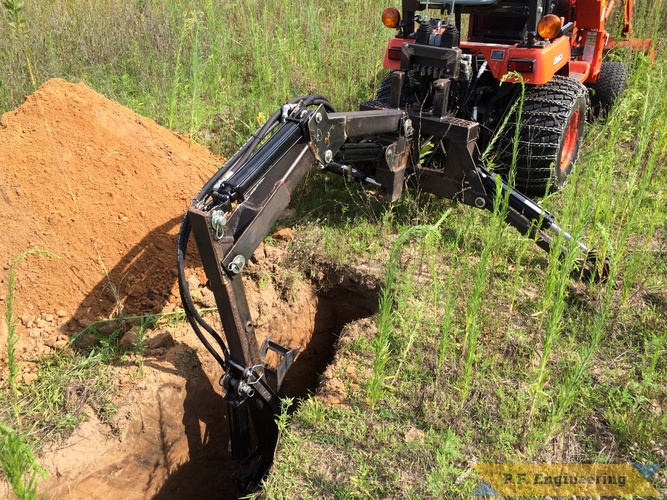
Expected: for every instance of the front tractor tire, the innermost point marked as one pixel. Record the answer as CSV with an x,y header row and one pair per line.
x,y
547,130
605,91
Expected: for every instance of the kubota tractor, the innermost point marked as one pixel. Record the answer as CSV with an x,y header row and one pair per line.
x,y
439,107
555,47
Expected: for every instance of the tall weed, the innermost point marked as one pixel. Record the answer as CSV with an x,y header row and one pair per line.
x,y
19,464
387,317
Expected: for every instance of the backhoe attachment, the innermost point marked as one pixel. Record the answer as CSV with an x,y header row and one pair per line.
x,y
238,206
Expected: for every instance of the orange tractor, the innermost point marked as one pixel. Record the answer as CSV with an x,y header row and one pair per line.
x,y
556,47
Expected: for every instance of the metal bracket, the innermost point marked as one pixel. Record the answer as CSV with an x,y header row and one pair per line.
x,y
287,358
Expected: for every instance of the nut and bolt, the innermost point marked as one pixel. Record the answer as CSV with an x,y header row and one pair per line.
x,y
233,384
328,156
480,202
245,389
318,117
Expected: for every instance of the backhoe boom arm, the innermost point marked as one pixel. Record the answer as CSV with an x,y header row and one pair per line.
x,y
237,208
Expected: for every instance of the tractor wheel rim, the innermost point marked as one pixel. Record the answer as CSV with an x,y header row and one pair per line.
x,y
570,141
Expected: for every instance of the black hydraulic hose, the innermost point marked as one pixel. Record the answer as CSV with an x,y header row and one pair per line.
x,y
194,318
254,162
255,139
253,170
313,100
261,134
274,120
249,145
191,313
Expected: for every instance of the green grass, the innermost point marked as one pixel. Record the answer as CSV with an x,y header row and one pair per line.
x,y
212,70
70,384
12,335
486,351
16,454
493,354
18,463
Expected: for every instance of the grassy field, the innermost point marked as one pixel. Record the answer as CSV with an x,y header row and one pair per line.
x,y
210,69
486,351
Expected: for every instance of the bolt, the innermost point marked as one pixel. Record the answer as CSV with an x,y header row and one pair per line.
x,y
328,156
480,202
245,389
237,264
318,117
407,127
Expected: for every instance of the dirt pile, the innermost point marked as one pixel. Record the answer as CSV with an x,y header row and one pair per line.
x,y
103,189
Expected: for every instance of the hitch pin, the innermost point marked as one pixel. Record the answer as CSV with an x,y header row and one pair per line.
x,y
218,222
249,374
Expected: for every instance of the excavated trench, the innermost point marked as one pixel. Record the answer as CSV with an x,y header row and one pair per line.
x,y
174,436
307,313
341,299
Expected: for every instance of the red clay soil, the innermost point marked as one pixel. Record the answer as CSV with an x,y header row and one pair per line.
x,y
103,189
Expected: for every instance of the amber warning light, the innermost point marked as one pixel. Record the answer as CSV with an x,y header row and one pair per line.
x,y
391,17
549,26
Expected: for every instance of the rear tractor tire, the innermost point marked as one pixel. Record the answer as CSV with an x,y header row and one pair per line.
x,y
383,94
605,91
548,130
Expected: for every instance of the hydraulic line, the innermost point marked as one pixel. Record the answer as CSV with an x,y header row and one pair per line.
x,y
251,171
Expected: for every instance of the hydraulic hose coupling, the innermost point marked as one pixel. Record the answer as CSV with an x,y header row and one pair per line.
x,y
237,386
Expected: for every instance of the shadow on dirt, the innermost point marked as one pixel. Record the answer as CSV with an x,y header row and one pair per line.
x,y
141,282
145,280
208,468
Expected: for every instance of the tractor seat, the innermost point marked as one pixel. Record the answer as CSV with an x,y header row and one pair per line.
x,y
502,22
